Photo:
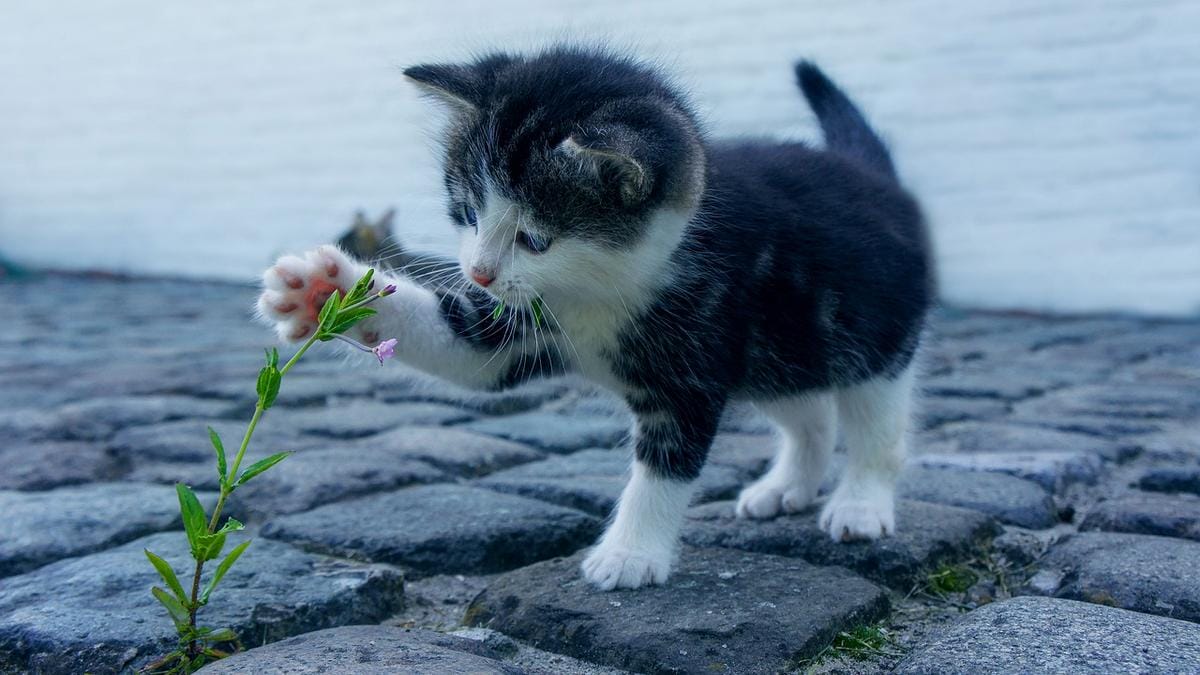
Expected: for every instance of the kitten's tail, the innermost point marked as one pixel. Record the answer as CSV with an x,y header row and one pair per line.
x,y
846,130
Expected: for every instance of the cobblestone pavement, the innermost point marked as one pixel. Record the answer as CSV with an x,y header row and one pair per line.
x,y
1051,520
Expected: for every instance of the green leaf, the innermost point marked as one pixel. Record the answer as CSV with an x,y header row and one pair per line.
x,y
329,312
231,525
259,467
360,289
273,358
498,310
178,614
211,545
222,469
187,633
350,317
222,569
536,306
268,385
193,518
220,635
168,575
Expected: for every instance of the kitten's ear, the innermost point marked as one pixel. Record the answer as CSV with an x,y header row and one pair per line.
x,y
463,87
360,219
610,153
457,86
385,222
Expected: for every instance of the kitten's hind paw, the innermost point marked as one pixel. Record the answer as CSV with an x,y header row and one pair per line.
x,y
295,289
610,567
766,498
851,518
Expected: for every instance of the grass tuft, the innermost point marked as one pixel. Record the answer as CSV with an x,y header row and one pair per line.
x,y
949,579
860,643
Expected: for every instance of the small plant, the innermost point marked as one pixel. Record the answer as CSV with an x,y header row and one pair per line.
x,y
198,644
862,642
859,643
950,579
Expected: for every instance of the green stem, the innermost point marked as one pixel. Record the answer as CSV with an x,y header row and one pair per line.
x,y
227,489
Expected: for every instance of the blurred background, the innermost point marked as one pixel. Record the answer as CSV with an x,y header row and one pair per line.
x,y
1054,144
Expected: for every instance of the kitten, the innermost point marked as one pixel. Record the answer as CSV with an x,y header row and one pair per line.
x,y
601,232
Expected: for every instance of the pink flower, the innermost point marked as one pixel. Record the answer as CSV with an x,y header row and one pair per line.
x,y
385,350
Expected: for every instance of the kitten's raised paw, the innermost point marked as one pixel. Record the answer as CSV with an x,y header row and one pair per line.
x,y
295,289
851,518
767,498
610,567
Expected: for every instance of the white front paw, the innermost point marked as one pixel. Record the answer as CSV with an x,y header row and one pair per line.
x,y
767,497
295,289
847,517
610,567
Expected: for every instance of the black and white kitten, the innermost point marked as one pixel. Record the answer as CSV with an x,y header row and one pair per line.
x,y
623,245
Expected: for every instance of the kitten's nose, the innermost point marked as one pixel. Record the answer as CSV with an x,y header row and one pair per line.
x,y
482,277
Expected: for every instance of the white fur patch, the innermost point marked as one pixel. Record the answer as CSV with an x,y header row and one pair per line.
x,y
640,545
875,419
808,427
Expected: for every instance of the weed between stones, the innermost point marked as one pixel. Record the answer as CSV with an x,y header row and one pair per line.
x,y
199,645
951,579
859,644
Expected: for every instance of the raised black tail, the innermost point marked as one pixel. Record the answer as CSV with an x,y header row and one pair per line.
x,y
846,130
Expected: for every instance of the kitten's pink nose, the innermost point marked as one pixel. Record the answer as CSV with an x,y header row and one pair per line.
x,y
482,277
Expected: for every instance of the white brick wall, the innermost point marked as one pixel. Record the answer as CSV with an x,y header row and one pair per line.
x,y
1054,142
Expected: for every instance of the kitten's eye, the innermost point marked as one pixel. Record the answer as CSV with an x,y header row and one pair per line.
x,y
471,217
532,242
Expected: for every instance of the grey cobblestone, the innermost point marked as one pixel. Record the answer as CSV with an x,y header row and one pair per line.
x,y
42,465
1006,498
379,649
1171,479
187,440
42,527
927,535
1002,437
556,433
1052,470
458,451
402,389
440,529
1041,635
316,477
358,418
591,480
1156,575
1147,513
727,611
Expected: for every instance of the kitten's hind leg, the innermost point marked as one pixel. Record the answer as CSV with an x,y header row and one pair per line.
x,y
875,418
808,426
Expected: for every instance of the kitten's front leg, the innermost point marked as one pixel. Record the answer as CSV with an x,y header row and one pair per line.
x,y
639,546
454,336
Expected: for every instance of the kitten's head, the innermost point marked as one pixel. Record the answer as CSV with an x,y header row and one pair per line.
x,y
568,171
